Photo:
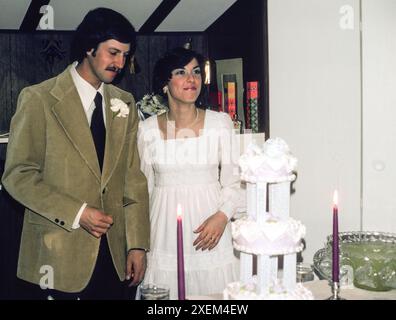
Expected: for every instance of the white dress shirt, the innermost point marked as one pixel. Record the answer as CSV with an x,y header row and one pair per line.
x,y
87,95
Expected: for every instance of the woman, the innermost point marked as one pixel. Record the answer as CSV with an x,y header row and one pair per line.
x,y
186,155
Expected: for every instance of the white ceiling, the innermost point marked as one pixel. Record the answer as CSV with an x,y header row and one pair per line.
x,y
194,15
188,15
12,13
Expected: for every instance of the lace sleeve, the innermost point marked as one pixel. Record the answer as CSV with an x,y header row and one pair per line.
x,y
144,141
232,194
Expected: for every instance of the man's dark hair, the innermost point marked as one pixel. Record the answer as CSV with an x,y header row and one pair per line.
x,y
176,58
99,25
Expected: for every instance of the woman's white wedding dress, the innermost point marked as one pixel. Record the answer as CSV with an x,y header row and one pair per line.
x,y
201,174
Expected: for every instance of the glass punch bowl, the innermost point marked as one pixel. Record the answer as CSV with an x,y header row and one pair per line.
x,y
369,258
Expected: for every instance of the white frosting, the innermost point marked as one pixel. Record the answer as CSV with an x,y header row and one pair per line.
x,y
271,237
272,163
239,291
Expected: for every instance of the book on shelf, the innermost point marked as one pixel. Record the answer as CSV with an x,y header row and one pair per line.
x,y
229,93
215,101
247,107
252,95
220,100
230,100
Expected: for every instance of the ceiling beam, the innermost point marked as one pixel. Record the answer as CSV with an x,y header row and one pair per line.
x,y
158,16
33,15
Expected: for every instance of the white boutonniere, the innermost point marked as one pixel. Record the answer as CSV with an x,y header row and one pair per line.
x,y
119,108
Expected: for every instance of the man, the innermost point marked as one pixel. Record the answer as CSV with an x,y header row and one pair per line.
x,y
73,163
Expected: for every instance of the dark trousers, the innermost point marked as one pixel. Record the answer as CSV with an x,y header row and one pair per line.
x,y
103,285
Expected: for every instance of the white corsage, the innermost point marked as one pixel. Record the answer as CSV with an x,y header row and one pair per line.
x,y
119,108
151,104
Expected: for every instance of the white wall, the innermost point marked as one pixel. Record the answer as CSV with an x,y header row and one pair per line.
x,y
315,105
379,115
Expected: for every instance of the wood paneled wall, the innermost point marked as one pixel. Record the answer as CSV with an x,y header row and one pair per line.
x,y
23,63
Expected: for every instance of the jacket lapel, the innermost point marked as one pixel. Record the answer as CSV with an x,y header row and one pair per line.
x,y
71,116
116,128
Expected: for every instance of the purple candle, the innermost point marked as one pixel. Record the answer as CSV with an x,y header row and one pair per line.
x,y
180,256
336,249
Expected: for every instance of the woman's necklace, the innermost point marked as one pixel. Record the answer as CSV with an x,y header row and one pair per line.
x,y
173,123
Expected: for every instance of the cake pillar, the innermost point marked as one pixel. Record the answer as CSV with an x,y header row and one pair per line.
x,y
251,193
289,271
261,203
246,266
263,274
274,267
279,199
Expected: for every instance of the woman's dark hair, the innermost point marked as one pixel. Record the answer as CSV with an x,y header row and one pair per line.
x,y
99,25
176,58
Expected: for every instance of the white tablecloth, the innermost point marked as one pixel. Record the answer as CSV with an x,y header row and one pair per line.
x,y
322,290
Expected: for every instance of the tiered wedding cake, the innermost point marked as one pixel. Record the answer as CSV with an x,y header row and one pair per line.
x,y
267,231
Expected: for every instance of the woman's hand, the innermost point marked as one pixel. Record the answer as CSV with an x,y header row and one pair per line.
x,y
210,231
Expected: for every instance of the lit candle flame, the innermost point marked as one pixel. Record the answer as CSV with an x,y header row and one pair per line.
x,y
179,211
335,198
207,72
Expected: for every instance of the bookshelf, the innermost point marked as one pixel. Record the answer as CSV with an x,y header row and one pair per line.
x,y
241,34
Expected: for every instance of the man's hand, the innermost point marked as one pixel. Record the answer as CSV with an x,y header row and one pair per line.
x,y
95,222
136,266
210,231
